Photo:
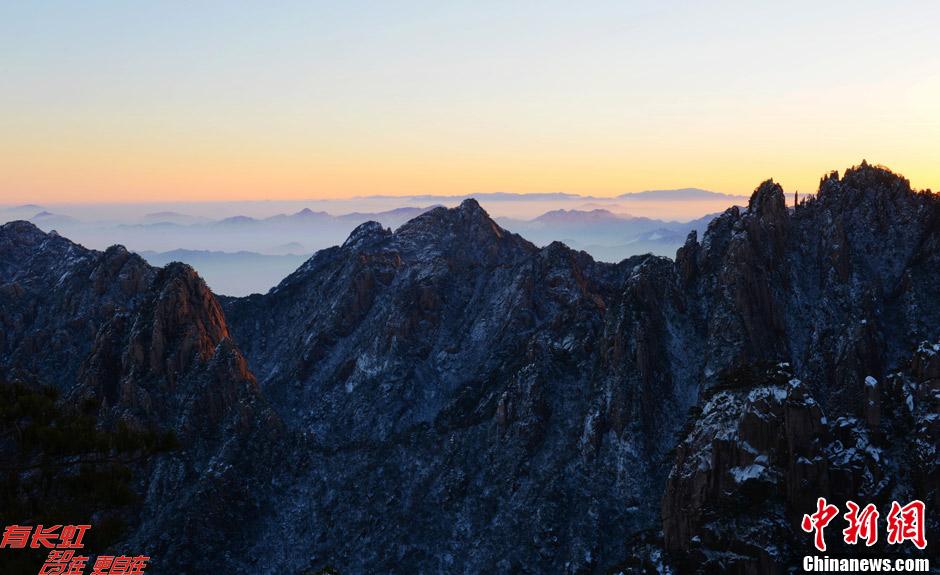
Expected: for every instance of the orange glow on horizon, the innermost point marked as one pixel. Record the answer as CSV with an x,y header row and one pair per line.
x,y
115,103
105,177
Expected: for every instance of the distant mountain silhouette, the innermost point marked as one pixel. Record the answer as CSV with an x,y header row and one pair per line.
x,y
232,273
22,209
671,195
172,217
487,197
50,219
579,216
605,235
683,194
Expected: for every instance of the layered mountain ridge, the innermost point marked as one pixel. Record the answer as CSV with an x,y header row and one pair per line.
x,y
449,397
140,348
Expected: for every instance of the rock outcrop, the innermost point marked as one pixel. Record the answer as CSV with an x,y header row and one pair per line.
x,y
494,403
144,349
760,452
828,291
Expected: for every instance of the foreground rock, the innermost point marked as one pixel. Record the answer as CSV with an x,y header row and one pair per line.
x,y
141,351
760,452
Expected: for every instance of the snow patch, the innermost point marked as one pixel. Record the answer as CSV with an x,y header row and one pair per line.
x,y
752,471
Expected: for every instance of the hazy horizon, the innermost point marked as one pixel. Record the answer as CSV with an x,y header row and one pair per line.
x,y
250,246
646,203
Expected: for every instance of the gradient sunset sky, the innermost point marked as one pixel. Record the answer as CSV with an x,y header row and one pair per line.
x,y
125,101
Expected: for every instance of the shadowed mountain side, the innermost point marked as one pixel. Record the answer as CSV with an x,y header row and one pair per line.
x,y
142,349
525,361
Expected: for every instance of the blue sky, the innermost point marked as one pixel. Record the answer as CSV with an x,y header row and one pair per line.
x,y
239,100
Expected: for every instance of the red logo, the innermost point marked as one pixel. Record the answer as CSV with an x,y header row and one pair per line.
x,y
63,563
54,537
862,524
62,540
905,523
818,521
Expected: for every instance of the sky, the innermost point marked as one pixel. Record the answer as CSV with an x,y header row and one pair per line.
x,y
177,101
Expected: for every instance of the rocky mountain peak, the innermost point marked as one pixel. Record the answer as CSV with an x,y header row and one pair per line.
x,y
687,257
867,175
768,201
471,206
365,234
469,212
23,238
21,228
185,307
875,181
466,230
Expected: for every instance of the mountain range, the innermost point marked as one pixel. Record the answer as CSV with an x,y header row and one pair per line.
x,y
605,235
239,255
450,397
680,194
